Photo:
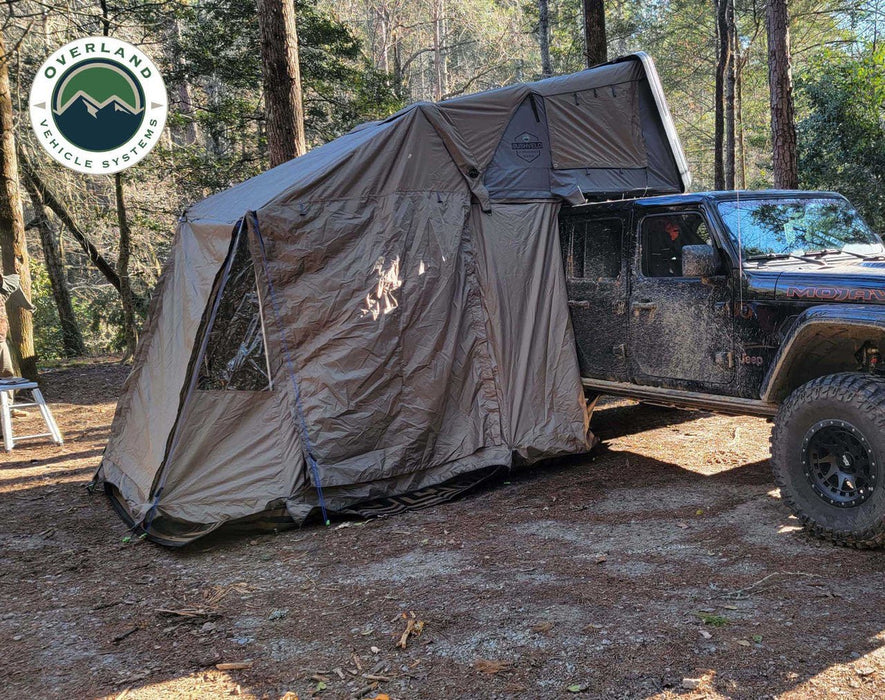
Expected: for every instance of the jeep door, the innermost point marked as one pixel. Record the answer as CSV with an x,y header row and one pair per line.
x,y
681,328
595,270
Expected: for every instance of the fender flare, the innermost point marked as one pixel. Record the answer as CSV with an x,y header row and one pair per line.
x,y
852,319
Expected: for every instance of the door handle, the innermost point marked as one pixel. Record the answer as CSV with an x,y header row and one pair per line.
x,y
644,305
575,304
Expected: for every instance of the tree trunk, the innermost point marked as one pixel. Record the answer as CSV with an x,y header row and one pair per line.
x,y
72,339
399,80
127,299
729,96
544,37
595,44
189,133
57,208
741,154
780,83
282,80
723,53
384,24
12,228
440,60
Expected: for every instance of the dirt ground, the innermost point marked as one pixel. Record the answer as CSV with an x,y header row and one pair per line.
x,y
661,565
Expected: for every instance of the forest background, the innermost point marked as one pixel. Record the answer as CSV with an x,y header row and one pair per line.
x,y
96,245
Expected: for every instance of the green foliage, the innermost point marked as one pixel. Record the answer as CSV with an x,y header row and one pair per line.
x,y
47,328
97,311
218,57
713,620
842,138
363,59
565,20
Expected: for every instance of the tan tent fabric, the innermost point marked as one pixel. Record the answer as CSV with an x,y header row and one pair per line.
x,y
149,405
382,315
531,337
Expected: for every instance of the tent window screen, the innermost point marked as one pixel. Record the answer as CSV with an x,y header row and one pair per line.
x,y
596,128
235,354
592,249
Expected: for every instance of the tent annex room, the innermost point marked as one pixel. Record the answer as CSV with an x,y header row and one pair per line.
x,y
383,315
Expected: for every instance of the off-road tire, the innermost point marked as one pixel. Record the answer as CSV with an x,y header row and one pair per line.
x,y
859,400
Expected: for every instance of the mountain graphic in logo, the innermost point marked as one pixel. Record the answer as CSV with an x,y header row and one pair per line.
x,y
98,105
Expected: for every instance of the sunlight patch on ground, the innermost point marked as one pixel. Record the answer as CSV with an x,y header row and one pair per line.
x,y
23,480
852,678
193,686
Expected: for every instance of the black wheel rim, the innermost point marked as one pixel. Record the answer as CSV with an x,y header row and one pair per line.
x,y
839,463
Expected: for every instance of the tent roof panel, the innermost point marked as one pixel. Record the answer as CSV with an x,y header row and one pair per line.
x,y
471,128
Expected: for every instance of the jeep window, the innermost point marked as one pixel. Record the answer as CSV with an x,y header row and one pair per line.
x,y
594,249
662,239
765,228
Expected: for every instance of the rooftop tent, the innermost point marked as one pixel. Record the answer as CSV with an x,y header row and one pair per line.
x,y
383,315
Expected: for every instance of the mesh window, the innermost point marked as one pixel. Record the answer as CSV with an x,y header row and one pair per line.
x,y
235,356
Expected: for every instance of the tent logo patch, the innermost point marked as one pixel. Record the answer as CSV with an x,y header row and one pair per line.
x,y
527,146
98,105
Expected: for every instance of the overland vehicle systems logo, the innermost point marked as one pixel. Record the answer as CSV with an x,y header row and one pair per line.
x,y
98,105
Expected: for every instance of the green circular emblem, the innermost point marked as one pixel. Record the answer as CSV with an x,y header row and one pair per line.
x,y
98,105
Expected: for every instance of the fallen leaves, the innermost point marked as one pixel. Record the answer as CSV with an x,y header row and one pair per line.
x,y
414,628
214,595
491,667
211,599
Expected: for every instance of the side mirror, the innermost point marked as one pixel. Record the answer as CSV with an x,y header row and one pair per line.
x,y
699,261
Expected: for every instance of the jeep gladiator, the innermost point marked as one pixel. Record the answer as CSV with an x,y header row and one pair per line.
x,y
767,303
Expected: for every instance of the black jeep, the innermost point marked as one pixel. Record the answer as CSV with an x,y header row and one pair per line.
x,y
764,303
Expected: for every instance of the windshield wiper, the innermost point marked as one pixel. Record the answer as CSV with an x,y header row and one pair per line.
x,y
765,257
820,253
877,256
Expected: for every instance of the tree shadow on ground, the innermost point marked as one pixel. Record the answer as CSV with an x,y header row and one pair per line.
x,y
97,383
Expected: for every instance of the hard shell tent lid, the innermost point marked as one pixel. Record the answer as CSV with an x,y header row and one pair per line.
x,y
383,318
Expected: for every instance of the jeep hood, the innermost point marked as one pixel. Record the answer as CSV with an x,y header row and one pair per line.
x,y
861,281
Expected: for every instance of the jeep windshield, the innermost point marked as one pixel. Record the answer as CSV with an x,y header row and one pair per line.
x,y
803,228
